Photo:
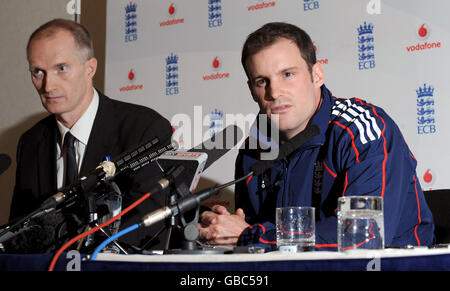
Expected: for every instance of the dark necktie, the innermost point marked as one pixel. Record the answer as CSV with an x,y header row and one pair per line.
x,y
71,162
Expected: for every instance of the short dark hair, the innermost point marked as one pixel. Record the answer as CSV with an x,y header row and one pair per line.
x,y
269,33
80,34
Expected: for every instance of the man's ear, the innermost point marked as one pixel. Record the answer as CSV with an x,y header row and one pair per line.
x,y
249,84
318,75
91,67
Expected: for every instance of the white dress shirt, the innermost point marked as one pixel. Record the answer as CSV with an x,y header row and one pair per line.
x,y
81,131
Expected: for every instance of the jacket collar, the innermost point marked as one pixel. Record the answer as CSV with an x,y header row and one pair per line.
x,y
101,137
321,118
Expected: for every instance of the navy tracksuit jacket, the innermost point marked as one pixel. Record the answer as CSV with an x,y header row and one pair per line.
x,y
362,152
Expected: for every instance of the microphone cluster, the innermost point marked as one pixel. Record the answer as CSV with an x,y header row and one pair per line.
x,y
133,161
148,153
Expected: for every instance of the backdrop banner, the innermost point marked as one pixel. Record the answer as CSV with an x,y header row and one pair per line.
x,y
182,58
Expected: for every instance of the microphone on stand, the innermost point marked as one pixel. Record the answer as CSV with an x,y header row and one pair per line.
x,y
201,157
215,148
131,161
220,144
192,201
196,161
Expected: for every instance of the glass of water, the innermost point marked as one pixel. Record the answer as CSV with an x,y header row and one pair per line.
x,y
295,229
360,223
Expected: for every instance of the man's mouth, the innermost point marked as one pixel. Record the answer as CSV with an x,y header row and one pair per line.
x,y
280,109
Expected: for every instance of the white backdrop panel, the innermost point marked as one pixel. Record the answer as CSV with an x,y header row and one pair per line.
x,y
408,48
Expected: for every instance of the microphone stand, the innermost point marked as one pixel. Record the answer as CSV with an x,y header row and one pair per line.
x,y
190,230
171,224
190,237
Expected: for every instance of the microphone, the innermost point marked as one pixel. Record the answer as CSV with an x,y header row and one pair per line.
x,y
141,156
192,201
185,204
193,162
215,149
5,162
220,144
133,161
286,149
200,157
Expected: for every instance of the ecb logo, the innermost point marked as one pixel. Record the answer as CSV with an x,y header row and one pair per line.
x,y
214,13
426,123
216,122
172,75
366,48
130,22
310,5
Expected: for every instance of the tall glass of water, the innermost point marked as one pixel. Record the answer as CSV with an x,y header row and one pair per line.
x,y
360,223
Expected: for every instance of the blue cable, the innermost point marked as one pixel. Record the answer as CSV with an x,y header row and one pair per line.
x,y
110,239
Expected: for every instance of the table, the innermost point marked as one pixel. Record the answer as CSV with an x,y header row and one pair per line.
x,y
418,259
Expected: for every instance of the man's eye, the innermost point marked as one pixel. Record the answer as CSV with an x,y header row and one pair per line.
x,y
288,74
62,68
260,82
36,72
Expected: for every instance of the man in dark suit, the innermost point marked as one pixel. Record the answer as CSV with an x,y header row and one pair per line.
x,y
62,67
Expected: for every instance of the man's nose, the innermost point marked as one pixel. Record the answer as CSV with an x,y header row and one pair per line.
x,y
48,84
274,91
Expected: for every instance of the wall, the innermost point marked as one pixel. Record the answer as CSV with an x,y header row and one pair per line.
x,y
93,17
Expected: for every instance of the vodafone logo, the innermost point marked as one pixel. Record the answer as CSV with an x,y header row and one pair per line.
x,y
423,33
131,80
131,75
428,178
172,11
216,65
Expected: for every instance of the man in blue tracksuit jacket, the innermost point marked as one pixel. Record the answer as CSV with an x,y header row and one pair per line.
x,y
364,153
359,151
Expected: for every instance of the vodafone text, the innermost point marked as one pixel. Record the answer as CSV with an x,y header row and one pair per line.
x,y
423,46
261,6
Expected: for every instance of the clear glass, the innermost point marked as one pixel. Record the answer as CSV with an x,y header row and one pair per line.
x,y
295,229
114,203
360,223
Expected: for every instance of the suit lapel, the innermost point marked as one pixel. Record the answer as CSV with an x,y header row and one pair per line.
x,y
46,157
101,139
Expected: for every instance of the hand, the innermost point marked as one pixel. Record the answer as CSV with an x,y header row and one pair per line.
x,y
220,227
